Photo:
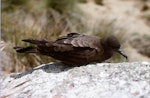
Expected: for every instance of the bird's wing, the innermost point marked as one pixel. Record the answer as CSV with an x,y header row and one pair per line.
x,y
78,40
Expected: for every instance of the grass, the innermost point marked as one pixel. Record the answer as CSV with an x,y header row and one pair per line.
x,y
147,16
99,2
36,22
43,19
65,7
83,1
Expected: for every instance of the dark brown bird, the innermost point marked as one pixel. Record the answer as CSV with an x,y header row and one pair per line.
x,y
75,49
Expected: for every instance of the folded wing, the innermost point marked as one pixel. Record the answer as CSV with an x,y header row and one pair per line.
x,y
75,40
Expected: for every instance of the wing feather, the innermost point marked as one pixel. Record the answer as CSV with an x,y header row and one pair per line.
x,y
78,40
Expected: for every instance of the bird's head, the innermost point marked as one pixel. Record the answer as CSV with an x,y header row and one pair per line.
x,y
111,42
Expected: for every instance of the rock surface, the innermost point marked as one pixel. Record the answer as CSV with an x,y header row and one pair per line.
x,y
102,80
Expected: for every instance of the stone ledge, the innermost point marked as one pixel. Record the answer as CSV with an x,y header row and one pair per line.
x,y
101,80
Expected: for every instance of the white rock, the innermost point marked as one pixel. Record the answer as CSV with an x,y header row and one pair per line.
x,y
103,80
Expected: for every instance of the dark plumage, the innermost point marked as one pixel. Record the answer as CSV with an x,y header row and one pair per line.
x,y
75,49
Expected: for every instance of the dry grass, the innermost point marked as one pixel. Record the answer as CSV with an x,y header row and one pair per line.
x,y
65,7
45,19
146,15
99,2
83,1
141,43
35,23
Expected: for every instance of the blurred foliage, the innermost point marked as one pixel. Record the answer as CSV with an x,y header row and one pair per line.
x,y
144,42
10,5
38,19
15,2
83,1
65,6
99,2
147,16
35,19
107,27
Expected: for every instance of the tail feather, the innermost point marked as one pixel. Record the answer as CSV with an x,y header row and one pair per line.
x,y
37,42
29,49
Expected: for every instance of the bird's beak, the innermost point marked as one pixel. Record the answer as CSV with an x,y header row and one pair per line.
x,y
120,52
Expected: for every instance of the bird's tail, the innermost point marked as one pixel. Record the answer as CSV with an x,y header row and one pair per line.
x,y
36,42
40,45
29,49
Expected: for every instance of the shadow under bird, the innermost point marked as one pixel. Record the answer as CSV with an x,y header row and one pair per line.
x,y
75,49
